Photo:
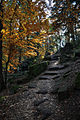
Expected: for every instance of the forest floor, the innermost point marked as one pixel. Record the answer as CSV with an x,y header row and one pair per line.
x,y
37,101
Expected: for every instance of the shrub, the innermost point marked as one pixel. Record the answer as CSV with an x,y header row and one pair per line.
x,y
47,57
2,98
14,89
36,69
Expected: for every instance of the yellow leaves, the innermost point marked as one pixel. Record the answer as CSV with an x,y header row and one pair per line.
x,y
7,32
30,53
6,56
3,31
36,40
23,25
20,28
7,19
17,26
11,64
16,34
42,32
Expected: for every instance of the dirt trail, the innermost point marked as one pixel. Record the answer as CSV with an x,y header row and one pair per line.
x,y
39,99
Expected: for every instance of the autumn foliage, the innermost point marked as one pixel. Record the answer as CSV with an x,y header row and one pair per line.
x,y
23,29
23,26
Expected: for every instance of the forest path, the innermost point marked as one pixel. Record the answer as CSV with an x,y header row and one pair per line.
x,y
39,99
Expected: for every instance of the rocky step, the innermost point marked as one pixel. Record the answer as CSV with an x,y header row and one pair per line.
x,y
51,73
77,61
55,58
58,67
45,77
66,74
64,71
56,77
53,61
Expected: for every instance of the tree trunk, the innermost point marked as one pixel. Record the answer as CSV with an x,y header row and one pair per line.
x,y
6,73
20,55
2,85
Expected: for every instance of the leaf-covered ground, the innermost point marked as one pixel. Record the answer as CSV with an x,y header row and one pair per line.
x,y
30,105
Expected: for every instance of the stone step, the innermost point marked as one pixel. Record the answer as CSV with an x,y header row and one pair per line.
x,y
55,77
55,58
56,68
77,61
65,71
66,75
51,73
45,77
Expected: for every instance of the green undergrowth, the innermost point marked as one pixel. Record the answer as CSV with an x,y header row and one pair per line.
x,y
17,79
14,89
37,69
2,98
25,76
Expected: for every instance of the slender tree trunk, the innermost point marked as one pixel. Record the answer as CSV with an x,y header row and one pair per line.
x,y
20,50
7,63
2,85
20,55
6,73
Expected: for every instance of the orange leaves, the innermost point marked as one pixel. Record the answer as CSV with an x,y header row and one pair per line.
x,y
30,53
3,31
21,22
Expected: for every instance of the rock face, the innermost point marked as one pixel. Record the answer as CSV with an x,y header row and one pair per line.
x,y
66,53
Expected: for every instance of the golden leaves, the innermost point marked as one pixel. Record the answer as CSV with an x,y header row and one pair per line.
x,y
3,31
21,24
